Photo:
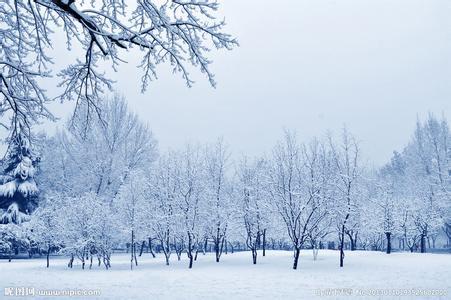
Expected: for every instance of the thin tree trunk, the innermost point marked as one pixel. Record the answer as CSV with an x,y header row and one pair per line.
x,y
388,235
150,248
132,245
134,255
254,256
195,255
142,248
71,261
342,242
48,255
264,242
296,258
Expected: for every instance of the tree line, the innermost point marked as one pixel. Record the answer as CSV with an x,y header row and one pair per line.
x,y
104,185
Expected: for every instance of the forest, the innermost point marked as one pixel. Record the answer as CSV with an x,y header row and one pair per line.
x,y
104,186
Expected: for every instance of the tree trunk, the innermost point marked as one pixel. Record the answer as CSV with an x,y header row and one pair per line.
x,y
264,242
71,261
352,240
134,255
254,256
189,251
296,258
204,249
132,245
195,255
142,248
150,248
315,250
48,255
342,243
217,250
423,243
388,235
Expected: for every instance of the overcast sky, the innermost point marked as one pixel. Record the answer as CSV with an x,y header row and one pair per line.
x,y
309,66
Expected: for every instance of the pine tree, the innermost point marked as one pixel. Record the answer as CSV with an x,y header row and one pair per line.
x,y
18,191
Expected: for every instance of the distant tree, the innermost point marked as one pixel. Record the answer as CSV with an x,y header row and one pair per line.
x,y
346,157
100,159
130,209
297,188
46,225
163,200
218,193
254,202
190,176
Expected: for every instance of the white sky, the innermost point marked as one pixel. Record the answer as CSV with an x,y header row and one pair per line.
x,y
308,65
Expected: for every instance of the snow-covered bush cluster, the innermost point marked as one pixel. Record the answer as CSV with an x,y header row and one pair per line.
x,y
104,186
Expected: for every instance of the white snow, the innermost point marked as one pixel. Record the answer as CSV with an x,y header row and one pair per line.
x,y
236,278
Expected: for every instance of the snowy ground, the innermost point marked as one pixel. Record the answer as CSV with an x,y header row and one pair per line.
x,y
236,278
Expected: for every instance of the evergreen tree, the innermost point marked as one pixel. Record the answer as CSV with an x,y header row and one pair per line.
x,y
18,191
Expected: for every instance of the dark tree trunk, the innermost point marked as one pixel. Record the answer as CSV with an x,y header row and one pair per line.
x,y
352,240
189,250
150,248
217,252
423,243
254,256
195,255
264,242
134,255
204,249
71,262
388,235
132,246
143,244
296,258
48,255
342,243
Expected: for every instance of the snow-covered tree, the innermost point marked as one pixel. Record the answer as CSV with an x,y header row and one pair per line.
x,y
99,159
296,186
251,190
130,207
190,176
95,164
46,225
346,157
163,194
218,193
88,229
180,33
18,191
